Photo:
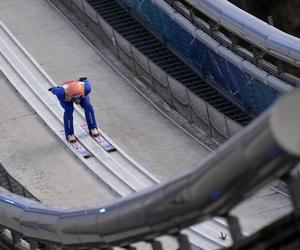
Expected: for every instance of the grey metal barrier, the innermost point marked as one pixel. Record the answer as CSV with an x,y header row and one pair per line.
x,y
246,26
179,97
257,155
247,39
223,66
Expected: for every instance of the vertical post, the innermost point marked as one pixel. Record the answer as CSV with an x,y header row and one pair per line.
x,y
189,104
294,189
71,4
156,245
183,242
234,40
100,28
15,237
227,128
150,74
270,20
192,15
23,192
115,42
170,93
279,66
173,4
209,124
9,183
133,61
33,244
85,15
235,228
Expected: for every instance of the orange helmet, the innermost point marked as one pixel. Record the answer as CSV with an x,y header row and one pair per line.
x,y
74,89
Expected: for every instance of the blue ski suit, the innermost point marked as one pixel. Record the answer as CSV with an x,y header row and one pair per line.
x,y
67,103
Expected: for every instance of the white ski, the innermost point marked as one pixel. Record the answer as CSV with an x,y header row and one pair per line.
x,y
101,140
77,145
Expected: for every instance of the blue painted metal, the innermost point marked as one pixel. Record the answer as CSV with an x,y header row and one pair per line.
x,y
248,84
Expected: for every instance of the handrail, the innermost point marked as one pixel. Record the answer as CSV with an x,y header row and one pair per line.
x,y
175,204
233,58
264,36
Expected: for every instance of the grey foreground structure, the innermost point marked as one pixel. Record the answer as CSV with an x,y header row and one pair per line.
x,y
268,148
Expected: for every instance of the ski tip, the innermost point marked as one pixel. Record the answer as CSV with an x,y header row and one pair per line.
x,y
112,150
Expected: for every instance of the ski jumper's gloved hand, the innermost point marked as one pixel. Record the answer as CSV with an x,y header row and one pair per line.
x,y
87,85
82,79
58,91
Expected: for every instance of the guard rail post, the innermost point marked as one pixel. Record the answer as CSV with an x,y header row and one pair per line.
x,y
294,189
9,183
100,28
15,237
85,14
227,128
133,60
23,191
150,74
156,245
115,42
279,66
208,120
235,228
169,89
189,105
183,242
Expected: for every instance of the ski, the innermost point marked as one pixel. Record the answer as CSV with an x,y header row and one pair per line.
x,y
77,145
101,140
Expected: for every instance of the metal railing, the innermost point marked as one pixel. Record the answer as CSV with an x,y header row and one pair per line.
x,y
268,38
263,45
245,163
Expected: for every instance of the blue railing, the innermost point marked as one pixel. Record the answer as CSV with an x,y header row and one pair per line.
x,y
250,28
252,87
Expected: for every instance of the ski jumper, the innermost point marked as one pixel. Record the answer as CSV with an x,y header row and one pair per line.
x,y
75,91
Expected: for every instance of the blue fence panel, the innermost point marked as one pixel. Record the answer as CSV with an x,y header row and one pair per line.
x,y
254,95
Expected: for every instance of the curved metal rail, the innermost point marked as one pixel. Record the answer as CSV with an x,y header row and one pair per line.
x,y
158,211
169,207
271,63
177,201
264,36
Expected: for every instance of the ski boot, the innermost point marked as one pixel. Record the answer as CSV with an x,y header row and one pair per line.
x,y
94,132
71,138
